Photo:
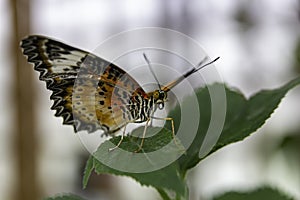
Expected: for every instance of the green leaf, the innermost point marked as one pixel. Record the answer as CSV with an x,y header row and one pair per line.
x,y
243,117
87,171
65,197
166,178
259,194
257,110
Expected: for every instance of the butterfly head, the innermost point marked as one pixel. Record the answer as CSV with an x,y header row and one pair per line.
x,y
159,98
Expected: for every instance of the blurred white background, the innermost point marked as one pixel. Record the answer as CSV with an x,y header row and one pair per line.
x,y
257,42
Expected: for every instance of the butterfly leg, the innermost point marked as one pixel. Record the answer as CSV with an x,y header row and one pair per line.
x,y
144,135
119,143
172,125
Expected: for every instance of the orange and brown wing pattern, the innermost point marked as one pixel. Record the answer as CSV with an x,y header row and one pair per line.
x,y
104,98
113,94
88,92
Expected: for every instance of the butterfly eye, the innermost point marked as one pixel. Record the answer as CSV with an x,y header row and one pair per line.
x,y
156,95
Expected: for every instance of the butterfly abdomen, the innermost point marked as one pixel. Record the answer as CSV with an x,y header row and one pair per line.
x,y
140,108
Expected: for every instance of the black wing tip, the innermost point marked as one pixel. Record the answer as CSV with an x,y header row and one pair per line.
x,y
30,39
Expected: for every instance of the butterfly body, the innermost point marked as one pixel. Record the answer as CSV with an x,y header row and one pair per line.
x,y
142,107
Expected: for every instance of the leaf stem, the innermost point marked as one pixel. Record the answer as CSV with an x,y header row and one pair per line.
x,y
163,194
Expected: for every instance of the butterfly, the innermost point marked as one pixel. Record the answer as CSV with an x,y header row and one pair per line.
x,y
91,93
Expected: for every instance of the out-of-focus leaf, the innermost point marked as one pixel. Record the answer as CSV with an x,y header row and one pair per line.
x,y
65,197
259,194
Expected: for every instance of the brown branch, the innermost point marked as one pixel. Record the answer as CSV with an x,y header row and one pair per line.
x,y
24,133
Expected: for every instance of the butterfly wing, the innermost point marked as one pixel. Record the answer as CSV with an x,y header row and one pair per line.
x,y
88,92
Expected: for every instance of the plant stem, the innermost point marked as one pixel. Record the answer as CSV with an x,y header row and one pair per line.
x,y
163,194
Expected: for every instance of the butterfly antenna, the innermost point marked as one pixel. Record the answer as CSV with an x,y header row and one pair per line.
x,y
199,66
151,69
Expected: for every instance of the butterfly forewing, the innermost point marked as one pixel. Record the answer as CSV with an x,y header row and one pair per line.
x,y
88,92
